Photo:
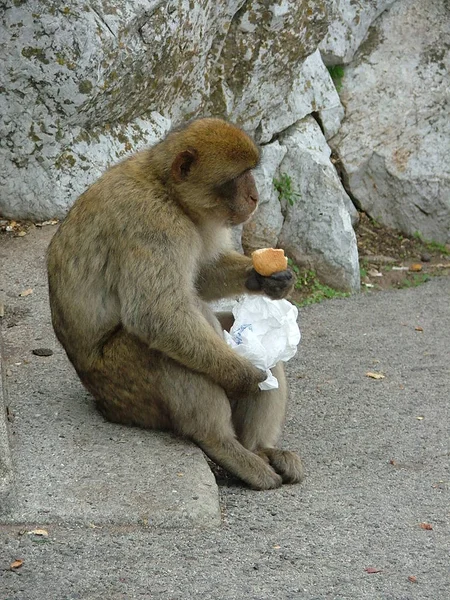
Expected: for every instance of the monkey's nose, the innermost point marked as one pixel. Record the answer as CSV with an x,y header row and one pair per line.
x,y
254,200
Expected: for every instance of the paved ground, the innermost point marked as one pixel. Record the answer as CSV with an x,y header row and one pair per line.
x,y
124,524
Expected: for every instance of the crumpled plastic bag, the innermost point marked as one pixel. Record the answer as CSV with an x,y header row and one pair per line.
x,y
266,332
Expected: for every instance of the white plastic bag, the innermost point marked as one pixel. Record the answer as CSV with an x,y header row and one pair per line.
x,y
266,332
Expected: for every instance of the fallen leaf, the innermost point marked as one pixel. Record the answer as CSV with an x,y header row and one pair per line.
x,y
418,328
26,292
374,273
375,375
41,532
16,564
393,461
276,547
412,579
372,570
420,418
21,234
426,526
415,267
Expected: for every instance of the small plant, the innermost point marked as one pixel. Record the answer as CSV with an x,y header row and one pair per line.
x,y
337,75
311,289
433,246
414,281
283,185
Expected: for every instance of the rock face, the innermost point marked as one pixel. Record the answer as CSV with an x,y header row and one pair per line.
x,y
317,231
395,141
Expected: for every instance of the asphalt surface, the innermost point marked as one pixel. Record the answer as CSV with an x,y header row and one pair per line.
x,y
376,455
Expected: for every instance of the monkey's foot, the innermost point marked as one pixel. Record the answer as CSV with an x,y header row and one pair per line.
x,y
284,462
265,480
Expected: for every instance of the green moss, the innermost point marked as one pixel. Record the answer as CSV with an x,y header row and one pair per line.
x,y
65,160
32,135
37,53
85,86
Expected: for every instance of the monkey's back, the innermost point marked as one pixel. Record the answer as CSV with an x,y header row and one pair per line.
x,y
92,252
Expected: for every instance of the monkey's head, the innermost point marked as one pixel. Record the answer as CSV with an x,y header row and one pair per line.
x,y
210,169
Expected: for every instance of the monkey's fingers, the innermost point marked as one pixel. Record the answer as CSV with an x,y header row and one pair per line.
x,y
275,286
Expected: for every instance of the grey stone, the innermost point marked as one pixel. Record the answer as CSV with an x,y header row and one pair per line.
x,y
311,90
395,140
264,227
349,22
259,59
317,231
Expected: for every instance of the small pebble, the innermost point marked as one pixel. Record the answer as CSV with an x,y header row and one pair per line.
x,y
425,257
42,351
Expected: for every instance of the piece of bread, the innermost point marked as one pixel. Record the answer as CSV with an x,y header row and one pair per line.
x,y
268,261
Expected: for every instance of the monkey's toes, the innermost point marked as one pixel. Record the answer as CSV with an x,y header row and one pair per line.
x,y
267,480
286,463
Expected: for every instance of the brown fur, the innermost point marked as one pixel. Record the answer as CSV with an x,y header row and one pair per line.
x,y
129,272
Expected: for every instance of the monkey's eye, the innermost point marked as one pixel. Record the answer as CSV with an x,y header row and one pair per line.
x,y
227,190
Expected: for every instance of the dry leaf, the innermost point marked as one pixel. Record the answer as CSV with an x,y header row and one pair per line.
x,y
41,532
16,564
276,547
375,375
412,579
420,418
372,570
426,526
418,328
21,234
26,292
415,267
393,461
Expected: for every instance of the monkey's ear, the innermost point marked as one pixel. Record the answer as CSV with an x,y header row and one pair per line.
x,y
182,164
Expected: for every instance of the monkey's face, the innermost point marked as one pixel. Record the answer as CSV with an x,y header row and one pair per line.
x,y
238,197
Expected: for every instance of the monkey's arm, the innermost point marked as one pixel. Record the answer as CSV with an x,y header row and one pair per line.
x,y
161,308
233,274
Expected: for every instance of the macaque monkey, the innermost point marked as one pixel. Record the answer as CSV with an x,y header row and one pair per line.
x,y
131,270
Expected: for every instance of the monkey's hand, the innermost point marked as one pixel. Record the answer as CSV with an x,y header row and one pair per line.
x,y
246,381
276,286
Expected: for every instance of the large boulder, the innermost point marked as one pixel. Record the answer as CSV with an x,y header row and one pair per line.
x,y
317,232
395,140
84,84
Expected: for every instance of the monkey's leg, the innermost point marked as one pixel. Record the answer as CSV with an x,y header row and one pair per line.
x,y
133,385
258,421
200,410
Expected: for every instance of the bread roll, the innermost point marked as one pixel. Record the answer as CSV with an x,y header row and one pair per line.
x,y
268,261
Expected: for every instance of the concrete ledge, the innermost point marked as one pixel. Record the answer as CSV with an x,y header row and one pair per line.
x,y
6,470
70,465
